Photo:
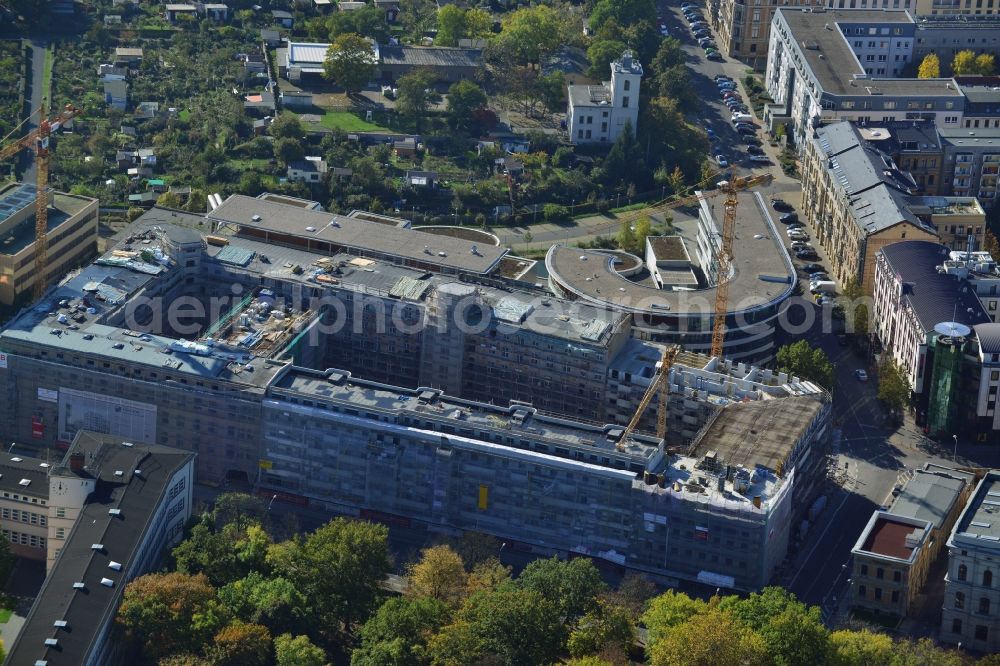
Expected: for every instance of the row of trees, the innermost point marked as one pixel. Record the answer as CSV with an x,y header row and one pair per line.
x,y
237,597
965,63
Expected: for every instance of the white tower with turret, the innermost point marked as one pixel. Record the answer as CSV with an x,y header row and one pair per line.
x,y
597,114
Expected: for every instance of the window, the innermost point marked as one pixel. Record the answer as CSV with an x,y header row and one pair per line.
x,y
862,591
878,594
963,571
880,573
982,633
895,596
960,600
864,569
628,84
897,576
984,605
988,575
625,102
956,626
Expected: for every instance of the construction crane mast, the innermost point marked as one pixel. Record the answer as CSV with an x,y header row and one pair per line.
x,y
39,140
724,258
724,264
658,386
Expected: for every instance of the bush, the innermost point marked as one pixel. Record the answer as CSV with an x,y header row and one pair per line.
x,y
553,211
603,205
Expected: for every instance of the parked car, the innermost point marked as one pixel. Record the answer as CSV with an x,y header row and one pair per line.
x,y
812,268
721,77
749,126
710,132
801,245
705,42
780,204
713,55
746,131
755,150
725,83
722,161
822,286
750,139
818,276
825,300
741,117
861,375
760,159
788,218
699,34
806,254
687,5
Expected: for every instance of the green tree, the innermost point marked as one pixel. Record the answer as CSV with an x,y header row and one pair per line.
x,y
243,509
170,613
241,644
634,593
859,648
339,567
985,64
626,236
464,98
451,25
675,83
287,126
623,12
478,23
350,62
893,385
273,602
607,627
401,626
676,182
168,200
643,228
930,67
511,626
553,212
601,53
532,32
414,96
964,63
991,245
793,633
668,611
288,150
923,652
7,562
297,651
368,21
440,574
712,638
806,362
855,306
490,574
670,54
209,552
573,586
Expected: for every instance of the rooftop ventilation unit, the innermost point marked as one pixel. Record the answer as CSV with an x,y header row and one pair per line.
x,y
24,482
256,218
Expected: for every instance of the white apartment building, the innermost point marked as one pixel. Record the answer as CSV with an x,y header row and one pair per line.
x,y
598,114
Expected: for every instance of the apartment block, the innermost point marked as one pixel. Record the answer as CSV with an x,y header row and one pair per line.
x,y
855,199
743,27
895,551
121,503
972,162
846,65
719,513
912,294
971,611
72,237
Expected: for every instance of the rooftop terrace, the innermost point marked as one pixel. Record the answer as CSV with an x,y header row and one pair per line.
x,y
763,272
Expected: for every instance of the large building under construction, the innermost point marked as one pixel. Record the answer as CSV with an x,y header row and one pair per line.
x,y
215,336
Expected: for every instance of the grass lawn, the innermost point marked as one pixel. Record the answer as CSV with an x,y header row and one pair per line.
x,y
348,122
47,75
5,614
184,114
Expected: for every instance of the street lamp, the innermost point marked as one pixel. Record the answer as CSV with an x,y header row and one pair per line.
x,y
273,497
500,552
954,453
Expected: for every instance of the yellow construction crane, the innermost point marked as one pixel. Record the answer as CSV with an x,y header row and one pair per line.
x,y
724,258
658,385
39,140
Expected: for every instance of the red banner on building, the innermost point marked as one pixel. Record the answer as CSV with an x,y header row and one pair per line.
x,y
37,428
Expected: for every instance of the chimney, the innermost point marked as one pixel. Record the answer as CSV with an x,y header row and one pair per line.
x,y
76,461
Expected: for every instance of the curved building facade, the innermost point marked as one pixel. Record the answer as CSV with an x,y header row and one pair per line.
x,y
677,303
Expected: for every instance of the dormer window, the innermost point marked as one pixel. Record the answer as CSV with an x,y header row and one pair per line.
x,y
627,85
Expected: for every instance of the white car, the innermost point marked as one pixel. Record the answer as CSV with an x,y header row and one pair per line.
x,y
721,159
